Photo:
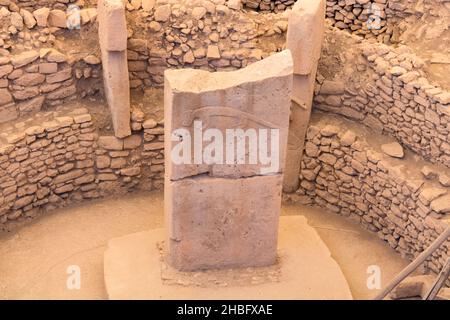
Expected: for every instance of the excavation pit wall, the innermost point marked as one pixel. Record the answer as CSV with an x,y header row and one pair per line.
x,y
37,79
370,19
93,165
387,89
216,38
344,173
64,160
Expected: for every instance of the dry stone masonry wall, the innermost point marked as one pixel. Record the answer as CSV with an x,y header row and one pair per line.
x,y
34,79
199,34
268,5
23,28
344,173
59,158
387,90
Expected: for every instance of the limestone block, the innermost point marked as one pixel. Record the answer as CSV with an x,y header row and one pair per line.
x,y
112,25
441,205
216,222
302,93
5,96
305,33
256,97
148,5
8,113
57,18
117,90
393,149
41,16
24,58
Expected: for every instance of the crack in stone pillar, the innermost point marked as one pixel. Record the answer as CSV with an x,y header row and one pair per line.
x,y
113,44
306,28
225,214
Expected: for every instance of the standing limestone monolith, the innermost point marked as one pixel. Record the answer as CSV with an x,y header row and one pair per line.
x,y
113,44
306,28
225,144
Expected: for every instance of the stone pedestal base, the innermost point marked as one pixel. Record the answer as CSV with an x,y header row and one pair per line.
x,y
134,268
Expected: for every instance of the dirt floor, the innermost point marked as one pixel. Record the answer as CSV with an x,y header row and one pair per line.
x,y
34,259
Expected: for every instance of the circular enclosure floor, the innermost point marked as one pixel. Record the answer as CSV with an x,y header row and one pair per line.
x,y
35,259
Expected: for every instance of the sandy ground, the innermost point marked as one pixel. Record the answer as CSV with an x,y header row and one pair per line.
x,y
34,259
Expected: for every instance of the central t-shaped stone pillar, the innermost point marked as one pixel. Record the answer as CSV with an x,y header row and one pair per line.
x,y
112,31
225,144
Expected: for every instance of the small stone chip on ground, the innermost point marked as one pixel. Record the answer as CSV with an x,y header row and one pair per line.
x,y
393,149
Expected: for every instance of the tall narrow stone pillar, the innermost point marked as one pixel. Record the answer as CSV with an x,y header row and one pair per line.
x,y
113,44
304,38
222,210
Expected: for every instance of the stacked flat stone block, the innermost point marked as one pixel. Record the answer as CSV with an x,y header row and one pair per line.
x,y
113,44
63,160
304,39
386,89
33,79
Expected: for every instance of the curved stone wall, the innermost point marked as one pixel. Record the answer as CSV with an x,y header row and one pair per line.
x,y
52,160
387,90
47,164
344,173
218,39
35,79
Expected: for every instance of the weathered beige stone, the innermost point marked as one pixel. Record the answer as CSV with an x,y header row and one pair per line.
x,y
416,286
32,105
393,149
113,44
304,38
28,18
117,90
5,96
87,15
132,142
332,87
110,143
216,222
148,5
256,97
8,113
442,204
16,20
112,25
162,13
24,58
5,70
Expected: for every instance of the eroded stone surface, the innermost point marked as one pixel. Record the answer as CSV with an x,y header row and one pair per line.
x,y
225,215
416,286
305,34
113,44
217,222
393,149
112,25
256,97
304,38
133,270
